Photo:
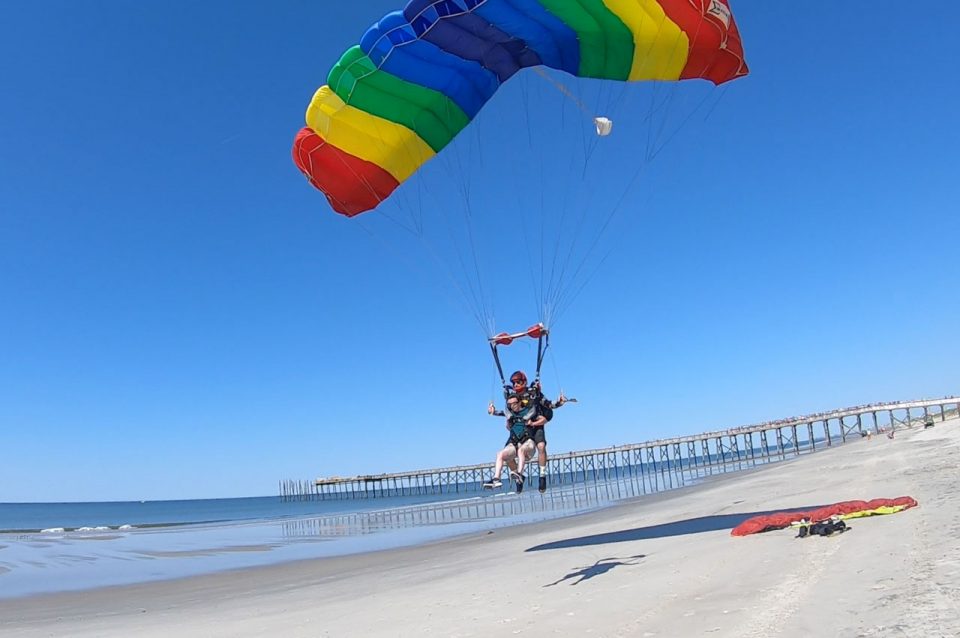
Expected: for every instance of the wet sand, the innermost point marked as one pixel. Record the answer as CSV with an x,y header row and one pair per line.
x,y
664,565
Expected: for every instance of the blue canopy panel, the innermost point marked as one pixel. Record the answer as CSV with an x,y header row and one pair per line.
x,y
394,47
453,28
545,33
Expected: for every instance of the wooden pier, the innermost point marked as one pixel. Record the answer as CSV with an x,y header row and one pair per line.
x,y
663,460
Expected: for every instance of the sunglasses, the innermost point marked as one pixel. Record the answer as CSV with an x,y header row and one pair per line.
x,y
518,381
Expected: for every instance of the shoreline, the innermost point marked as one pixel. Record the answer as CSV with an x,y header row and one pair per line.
x,y
210,549
660,564
43,564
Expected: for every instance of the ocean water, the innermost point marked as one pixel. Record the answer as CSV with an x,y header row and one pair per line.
x,y
39,517
50,547
76,546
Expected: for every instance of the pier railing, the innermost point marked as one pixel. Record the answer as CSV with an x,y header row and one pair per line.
x,y
700,454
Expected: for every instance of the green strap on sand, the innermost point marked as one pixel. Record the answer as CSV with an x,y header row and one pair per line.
x,y
434,117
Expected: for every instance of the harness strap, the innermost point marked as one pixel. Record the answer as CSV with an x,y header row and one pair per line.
x,y
543,342
496,358
537,331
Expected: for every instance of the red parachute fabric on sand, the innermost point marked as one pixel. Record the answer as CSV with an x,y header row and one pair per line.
x,y
780,520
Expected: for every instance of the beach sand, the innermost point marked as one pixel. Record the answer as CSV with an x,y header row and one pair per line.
x,y
664,565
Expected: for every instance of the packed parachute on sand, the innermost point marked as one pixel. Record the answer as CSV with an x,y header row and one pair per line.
x,y
837,512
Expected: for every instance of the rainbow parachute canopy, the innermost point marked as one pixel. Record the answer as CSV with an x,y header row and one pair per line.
x,y
420,75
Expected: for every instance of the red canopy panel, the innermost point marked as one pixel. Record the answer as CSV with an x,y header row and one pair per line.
x,y
352,185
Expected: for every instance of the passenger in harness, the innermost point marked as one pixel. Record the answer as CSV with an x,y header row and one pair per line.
x,y
519,446
533,396
529,396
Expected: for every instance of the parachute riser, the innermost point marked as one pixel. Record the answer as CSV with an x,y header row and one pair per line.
x,y
542,335
496,358
542,344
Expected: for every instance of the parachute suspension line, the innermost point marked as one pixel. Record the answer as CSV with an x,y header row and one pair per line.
x,y
656,87
543,310
454,165
472,301
612,106
607,106
543,293
560,264
372,190
539,292
567,301
524,219
525,91
468,212
682,125
656,131
416,220
419,266
404,208
412,214
588,147
577,233
561,292
562,280
493,384
556,371
568,298
552,283
539,70
477,303
419,218
721,94
603,228
672,93
654,147
568,200
722,91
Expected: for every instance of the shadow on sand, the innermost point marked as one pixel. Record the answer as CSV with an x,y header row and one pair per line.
x,y
678,528
599,568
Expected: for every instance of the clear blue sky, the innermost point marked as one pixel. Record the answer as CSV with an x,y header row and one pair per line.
x,y
182,316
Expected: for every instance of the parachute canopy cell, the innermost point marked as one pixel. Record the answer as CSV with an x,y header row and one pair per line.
x,y
419,75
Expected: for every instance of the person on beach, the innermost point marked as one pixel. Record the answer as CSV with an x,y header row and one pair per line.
x,y
533,396
519,447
